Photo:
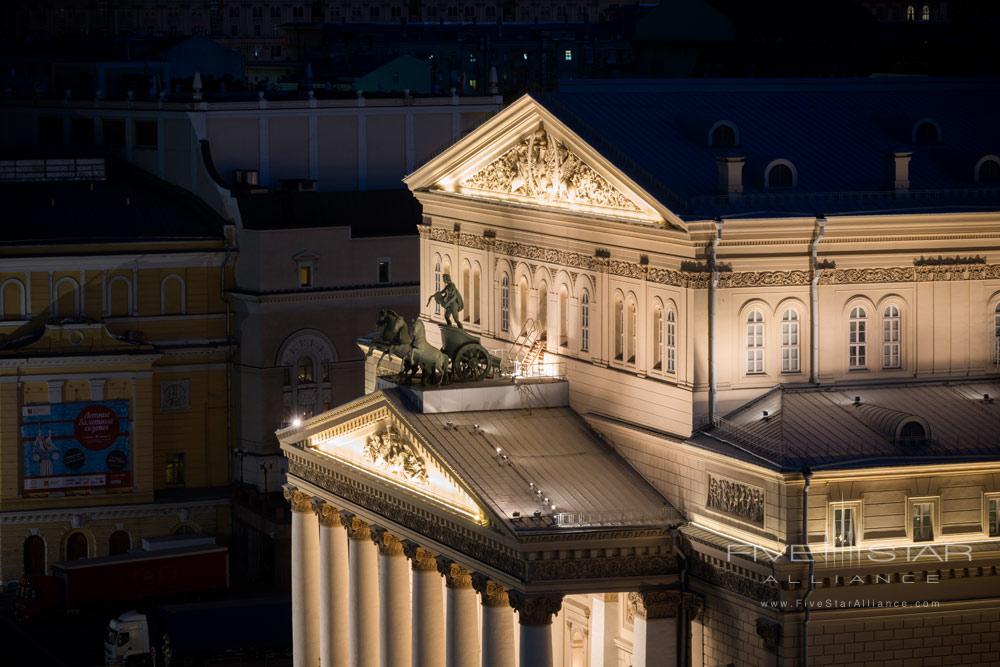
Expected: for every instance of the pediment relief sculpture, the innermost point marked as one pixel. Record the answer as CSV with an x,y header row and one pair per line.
x,y
390,450
544,169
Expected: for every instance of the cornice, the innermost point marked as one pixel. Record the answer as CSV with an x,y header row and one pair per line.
x,y
103,512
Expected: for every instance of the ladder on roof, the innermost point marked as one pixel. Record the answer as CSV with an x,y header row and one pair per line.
x,y
527,349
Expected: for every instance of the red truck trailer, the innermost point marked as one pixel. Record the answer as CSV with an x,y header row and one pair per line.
x,y
92,582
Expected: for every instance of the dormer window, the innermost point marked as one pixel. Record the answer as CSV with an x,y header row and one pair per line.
x,y
780,174
988,171
926,133
723,135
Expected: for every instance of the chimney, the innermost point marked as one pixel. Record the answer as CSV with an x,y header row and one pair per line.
x,y
901,160
731,174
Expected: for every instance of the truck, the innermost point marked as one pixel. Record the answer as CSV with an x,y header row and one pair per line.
x,y
200,632
163,568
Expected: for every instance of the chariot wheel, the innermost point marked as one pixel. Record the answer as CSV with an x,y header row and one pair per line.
x,y
472,363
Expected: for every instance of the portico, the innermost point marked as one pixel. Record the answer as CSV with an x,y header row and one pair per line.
x,y
399,559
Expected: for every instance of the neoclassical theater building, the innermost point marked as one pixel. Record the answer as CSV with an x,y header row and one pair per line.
x,y
744,405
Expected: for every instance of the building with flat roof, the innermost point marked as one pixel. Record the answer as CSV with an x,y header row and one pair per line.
x,y
735,352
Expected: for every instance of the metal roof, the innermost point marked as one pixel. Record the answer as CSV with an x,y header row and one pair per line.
x,y
839,135
828,427
551,453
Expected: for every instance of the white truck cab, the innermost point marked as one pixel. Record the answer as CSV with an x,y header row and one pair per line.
x,y
127,640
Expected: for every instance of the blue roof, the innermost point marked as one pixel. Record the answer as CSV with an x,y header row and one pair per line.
x,y
838,133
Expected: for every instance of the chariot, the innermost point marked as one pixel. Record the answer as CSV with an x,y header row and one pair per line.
x,y
470,361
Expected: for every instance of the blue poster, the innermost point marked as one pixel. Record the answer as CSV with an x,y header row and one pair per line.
x,y
76,446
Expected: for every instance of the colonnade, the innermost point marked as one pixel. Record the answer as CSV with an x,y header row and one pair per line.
x,y
363,597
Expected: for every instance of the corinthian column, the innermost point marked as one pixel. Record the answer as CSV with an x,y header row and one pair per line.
x,y
305,575
394,600
363,596
498,622
534,613
334,638
656,612
427,609
462,633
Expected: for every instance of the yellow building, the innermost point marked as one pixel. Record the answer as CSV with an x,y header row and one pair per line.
x,y
114,363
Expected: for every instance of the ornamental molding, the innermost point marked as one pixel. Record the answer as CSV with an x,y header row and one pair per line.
x,y
737,499
602,568
747,587
543,169
727,279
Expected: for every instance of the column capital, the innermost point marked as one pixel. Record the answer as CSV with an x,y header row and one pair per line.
x,y
300,502
535,609
693,605
387,543
654,603
421,559
455,576
356,528
327,513
492,593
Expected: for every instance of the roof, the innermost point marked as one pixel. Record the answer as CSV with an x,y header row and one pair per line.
x,y
128,205
862,426
369,214
551,450
839,135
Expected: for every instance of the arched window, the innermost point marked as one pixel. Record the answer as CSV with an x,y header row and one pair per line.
x,y
77,546
723,136
926,133
67,303
437,282
988,172
119,297
306,358
563,316
891,321
790,341
619,329
780,175
522,302
119,543
543,307
657,336
13,301
858,340
911,13
632,331
925,13
34,556
173,300
755,342
671,341
585,321
505,302
467,296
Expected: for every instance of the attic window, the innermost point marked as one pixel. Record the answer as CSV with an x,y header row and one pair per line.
x,y
723,136
912,433
926,133
988,171
780,175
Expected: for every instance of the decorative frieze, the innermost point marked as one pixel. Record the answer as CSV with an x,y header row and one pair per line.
x,y
748,587
535,609
600,568
543,169
763,279
736,499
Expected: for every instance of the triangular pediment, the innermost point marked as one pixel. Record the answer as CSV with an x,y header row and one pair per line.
x,y
527,156
374,439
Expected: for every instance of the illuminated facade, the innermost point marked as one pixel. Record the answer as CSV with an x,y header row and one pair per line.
x,y
751,322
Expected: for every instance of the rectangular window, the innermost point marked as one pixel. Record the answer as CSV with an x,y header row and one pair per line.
x,y
755,345
858,350
844,526
145,134
305,275
790,346
993,516
568,55
175,468
922,515
383,270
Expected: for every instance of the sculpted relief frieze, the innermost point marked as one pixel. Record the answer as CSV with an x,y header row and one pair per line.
x,y
542,168
389,449
736,499
735,279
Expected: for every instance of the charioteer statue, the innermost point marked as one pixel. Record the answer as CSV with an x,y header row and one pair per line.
x,y
450,300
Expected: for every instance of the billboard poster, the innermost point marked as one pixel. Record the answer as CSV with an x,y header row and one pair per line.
x,y
76,446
